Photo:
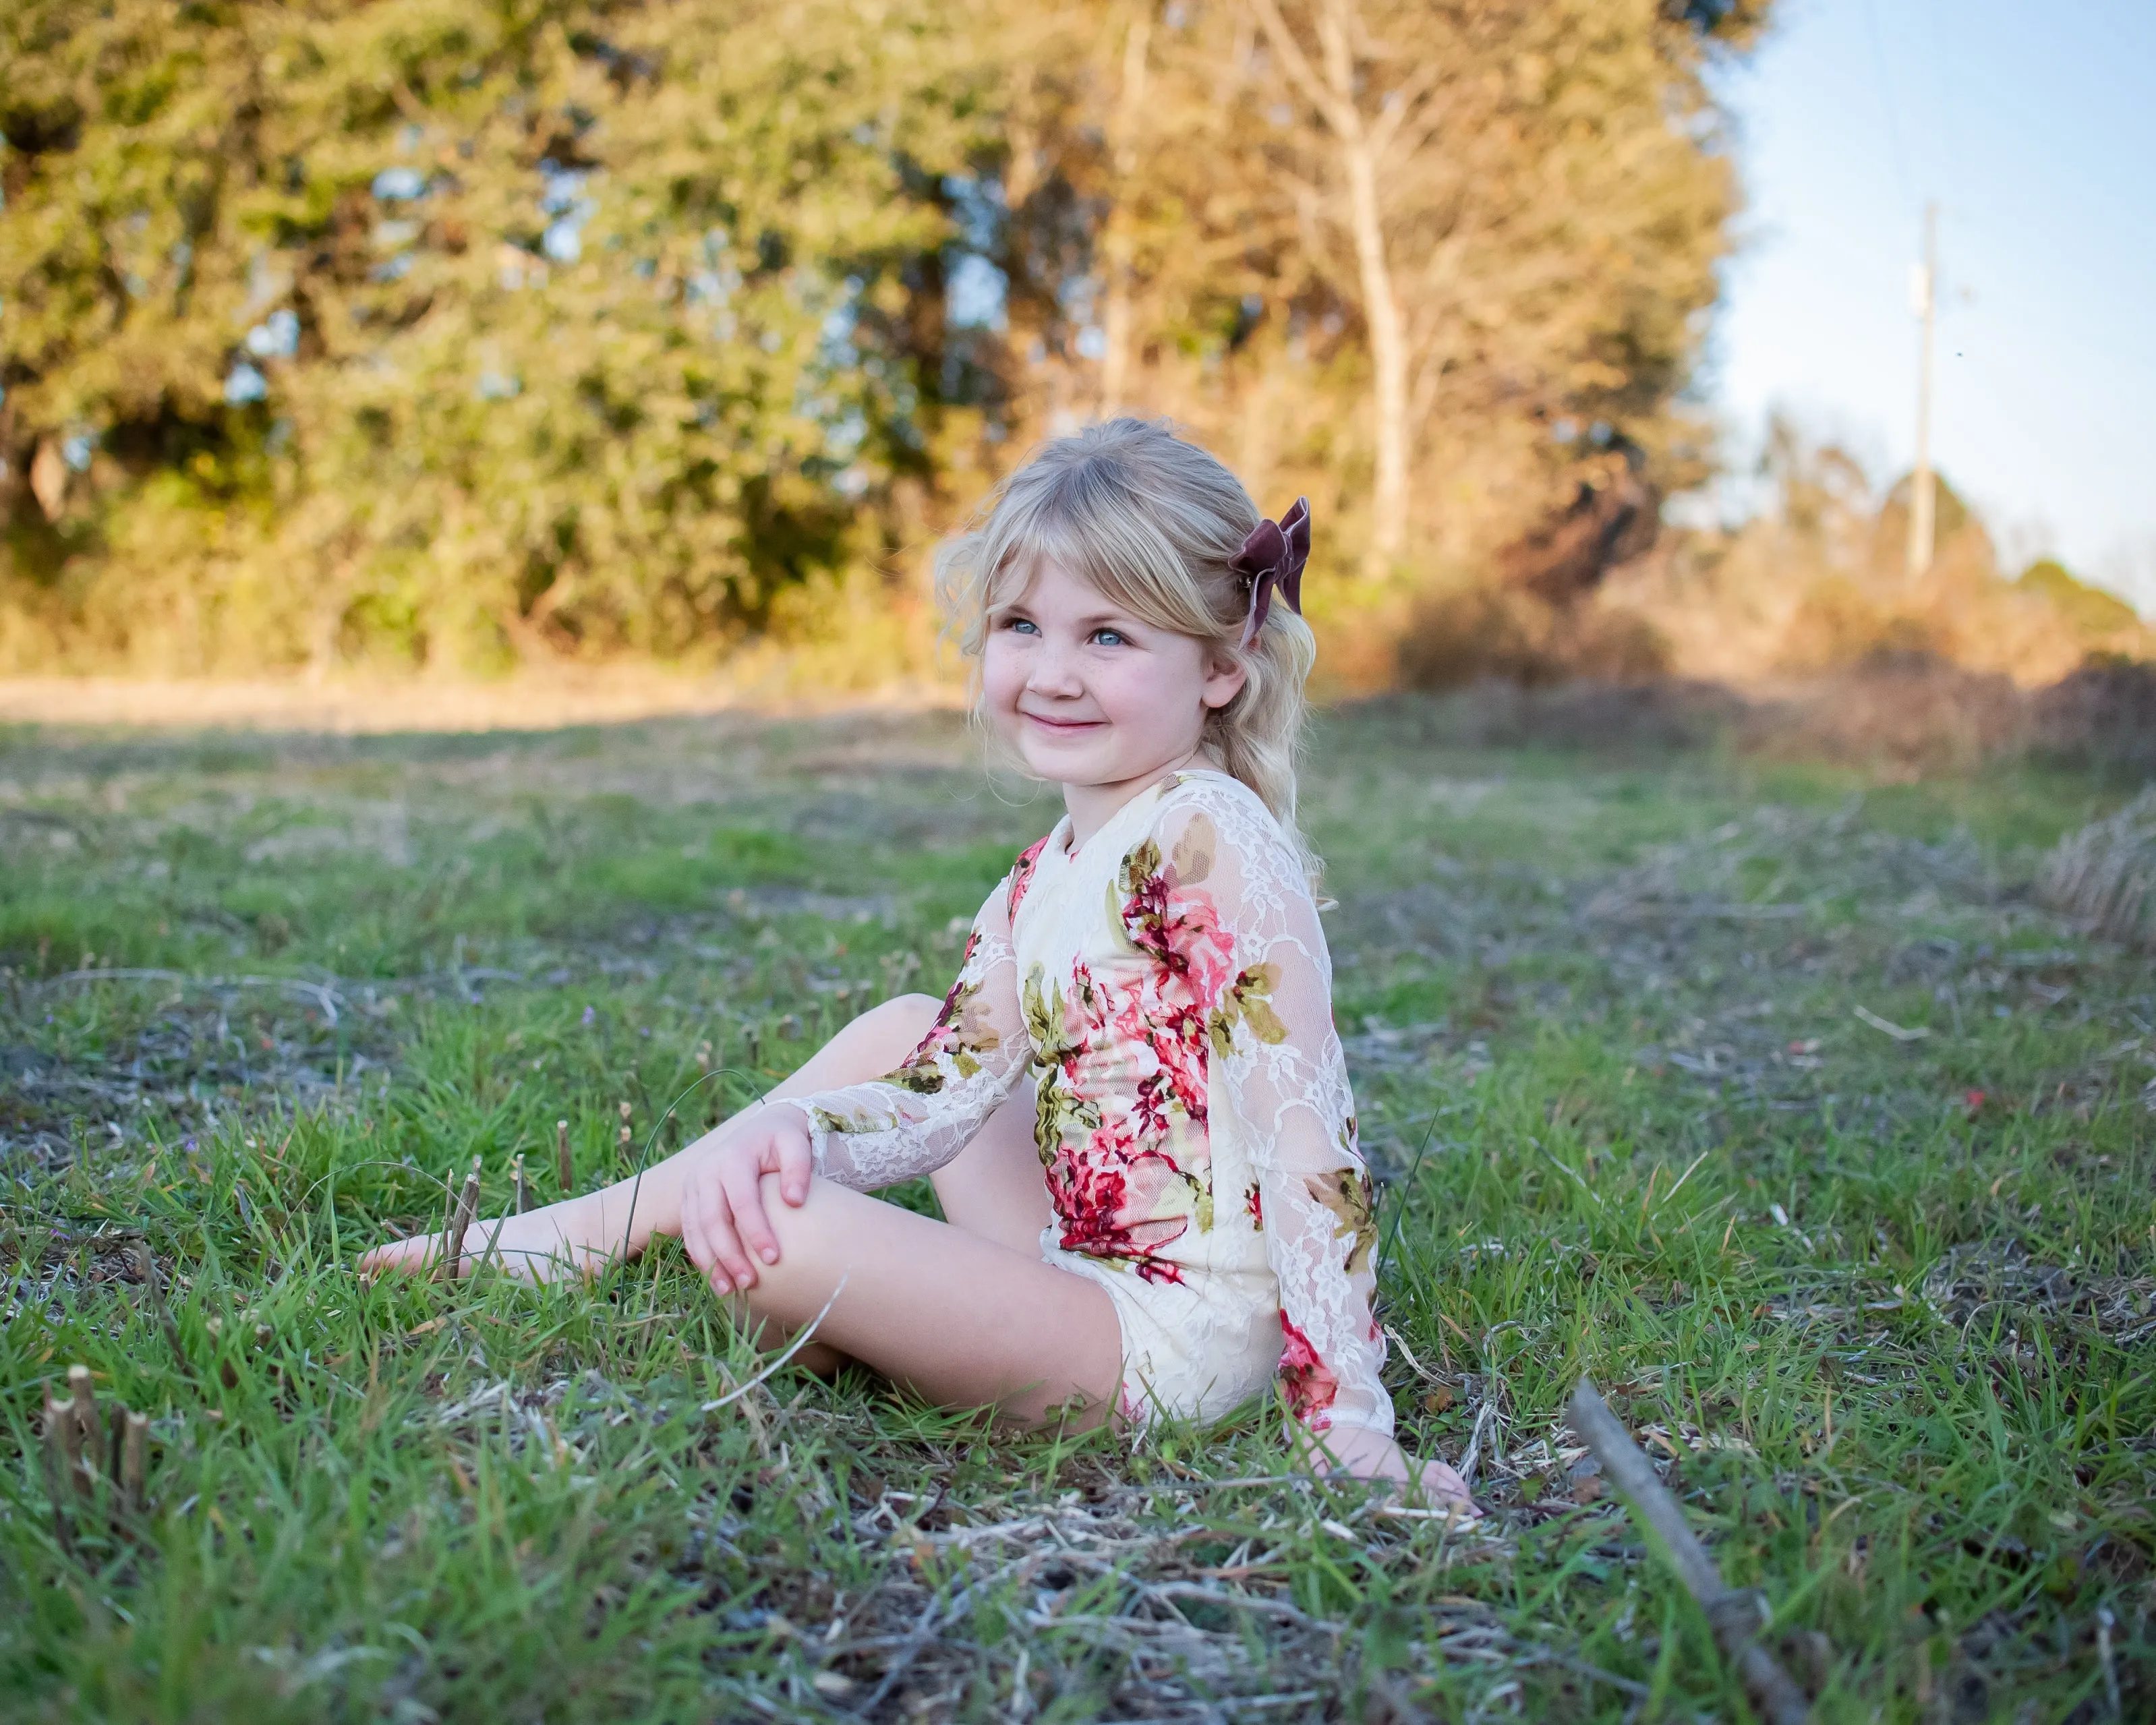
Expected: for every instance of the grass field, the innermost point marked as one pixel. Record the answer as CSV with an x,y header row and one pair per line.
x,y
1768,1097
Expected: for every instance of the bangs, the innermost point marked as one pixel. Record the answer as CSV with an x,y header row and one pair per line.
x,y
1086,521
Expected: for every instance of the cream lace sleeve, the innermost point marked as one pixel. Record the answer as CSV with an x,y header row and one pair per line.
x,y
915,1119
1279,1069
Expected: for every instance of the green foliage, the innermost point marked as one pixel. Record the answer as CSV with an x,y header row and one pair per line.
x,y
1882,1307
458,330
462,332
1819,582
2092,611
1552,191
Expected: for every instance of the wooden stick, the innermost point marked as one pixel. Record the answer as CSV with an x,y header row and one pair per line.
x,y
227,1374
453,1250
449,1223
60,1421
1733,1612
467,1213
134,1463
563,1172
82,1439
523,1186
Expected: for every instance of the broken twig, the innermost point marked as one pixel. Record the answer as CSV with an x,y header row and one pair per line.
x,y
453,1249
147,1263
1734,1612
1900,1032
60,1421
134,1463
448,1216
82,1433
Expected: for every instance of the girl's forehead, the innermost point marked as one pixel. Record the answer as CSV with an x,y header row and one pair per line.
x,y
1046,584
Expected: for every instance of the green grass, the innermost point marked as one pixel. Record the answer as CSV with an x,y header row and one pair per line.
x,y
1886,1308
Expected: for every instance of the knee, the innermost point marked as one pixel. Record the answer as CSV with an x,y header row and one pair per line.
x,y
792,1289
910,1010
794,1223
899,1023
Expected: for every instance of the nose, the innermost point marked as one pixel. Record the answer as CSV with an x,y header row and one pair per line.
x,y
1052,670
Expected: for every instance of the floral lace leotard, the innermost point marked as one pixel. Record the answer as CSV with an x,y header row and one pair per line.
x,y
1169,987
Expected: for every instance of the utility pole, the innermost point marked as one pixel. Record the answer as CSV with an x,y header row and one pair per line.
x,y
1924,300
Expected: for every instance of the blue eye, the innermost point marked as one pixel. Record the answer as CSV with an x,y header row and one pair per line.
x,y
1020,625
1109,637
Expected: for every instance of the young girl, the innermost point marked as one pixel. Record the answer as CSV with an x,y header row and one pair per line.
x,y
1132,1103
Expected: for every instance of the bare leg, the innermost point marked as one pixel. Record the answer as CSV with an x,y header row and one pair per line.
x,y
984,1190
994,1186
963,1321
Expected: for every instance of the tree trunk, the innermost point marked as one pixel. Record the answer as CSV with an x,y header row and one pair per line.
x,y
1115,321
49,478
1389,360
1333,92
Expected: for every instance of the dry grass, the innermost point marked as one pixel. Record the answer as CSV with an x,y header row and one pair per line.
x,y
1904,714
1801,594
770,684
1878,1303
2105,874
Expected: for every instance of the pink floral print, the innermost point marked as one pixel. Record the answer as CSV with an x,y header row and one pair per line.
x,y
1123,1113
1309,1386
1021,874
1171,997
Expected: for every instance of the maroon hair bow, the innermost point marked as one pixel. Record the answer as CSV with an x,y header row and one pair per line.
x,y
1273,556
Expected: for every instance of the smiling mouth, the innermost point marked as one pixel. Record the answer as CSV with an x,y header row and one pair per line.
x,y
1048,724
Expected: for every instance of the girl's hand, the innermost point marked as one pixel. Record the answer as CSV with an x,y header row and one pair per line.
x,y
1367,1456
1433,1486
723,1222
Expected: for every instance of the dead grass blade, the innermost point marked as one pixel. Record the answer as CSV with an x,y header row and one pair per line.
x,y
2104,874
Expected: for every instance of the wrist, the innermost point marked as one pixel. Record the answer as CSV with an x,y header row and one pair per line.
x,y
1360,1451
781,1121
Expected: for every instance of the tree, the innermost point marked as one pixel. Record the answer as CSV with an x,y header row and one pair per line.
x,y
1529,194
462,330
465,328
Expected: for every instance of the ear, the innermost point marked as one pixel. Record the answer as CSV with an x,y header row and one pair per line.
x,y
1224,680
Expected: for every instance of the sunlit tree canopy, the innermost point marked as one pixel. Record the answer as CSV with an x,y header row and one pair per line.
x,y
460,332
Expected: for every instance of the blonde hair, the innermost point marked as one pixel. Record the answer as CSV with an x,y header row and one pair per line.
x,y
1150,521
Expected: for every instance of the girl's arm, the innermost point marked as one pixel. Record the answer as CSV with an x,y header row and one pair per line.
x,y
914,1119
1277,1066
909,1121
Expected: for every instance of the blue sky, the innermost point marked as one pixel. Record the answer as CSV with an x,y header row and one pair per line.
x,y
2035,129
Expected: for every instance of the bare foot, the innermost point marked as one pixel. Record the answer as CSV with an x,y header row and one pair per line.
x,y
538,1246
